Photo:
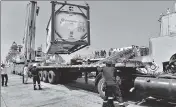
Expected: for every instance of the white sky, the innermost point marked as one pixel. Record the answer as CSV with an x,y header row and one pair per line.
x,y
113,23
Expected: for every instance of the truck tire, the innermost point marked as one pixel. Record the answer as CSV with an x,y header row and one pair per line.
x,y
100,88
52,77
45,76
101,84
41,75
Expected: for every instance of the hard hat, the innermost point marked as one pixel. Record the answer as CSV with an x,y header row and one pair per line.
x,y
108,62
35,64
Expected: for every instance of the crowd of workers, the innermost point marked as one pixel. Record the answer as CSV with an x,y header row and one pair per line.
x,y
26,71
104,53
100,54
35,74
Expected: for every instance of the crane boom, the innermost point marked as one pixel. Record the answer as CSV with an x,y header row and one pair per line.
x,y
29,39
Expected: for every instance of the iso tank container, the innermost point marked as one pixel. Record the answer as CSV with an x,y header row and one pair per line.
x,y
71,32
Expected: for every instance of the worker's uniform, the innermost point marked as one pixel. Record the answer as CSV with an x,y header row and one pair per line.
x,y
4,75
25,74
35,75
111,85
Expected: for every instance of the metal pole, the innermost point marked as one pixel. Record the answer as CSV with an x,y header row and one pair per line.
x,y
86,77
52,20
160,20
88,23
168,24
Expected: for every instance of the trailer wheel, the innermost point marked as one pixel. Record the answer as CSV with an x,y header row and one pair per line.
x,y
45,76
51,77
100,88
41,75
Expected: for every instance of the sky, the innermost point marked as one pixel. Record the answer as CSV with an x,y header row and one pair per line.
x,y
114,24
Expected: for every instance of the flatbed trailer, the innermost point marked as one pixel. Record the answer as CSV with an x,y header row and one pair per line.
x,y
55,74
59,73
59,70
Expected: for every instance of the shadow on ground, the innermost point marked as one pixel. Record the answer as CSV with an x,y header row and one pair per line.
x,y
79,85
155,103
75,85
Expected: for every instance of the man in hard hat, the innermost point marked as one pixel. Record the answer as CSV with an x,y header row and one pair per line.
x,y
109,74
35,75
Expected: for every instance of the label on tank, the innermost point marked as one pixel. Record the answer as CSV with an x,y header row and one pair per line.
x,y
70,26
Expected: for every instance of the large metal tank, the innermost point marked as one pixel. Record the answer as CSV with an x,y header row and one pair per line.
x,y
168,24
157,87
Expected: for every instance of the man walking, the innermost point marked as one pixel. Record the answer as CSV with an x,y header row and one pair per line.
x,y
111,84
4,74
25,74
35,75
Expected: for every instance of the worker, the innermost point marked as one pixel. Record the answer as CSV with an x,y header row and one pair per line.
x,y
95,54
111,84
29,69
104,54
98,54
35,75
110,51
25,74
101,53
4,74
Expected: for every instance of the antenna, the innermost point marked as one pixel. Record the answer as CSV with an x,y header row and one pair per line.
x,y
161,26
